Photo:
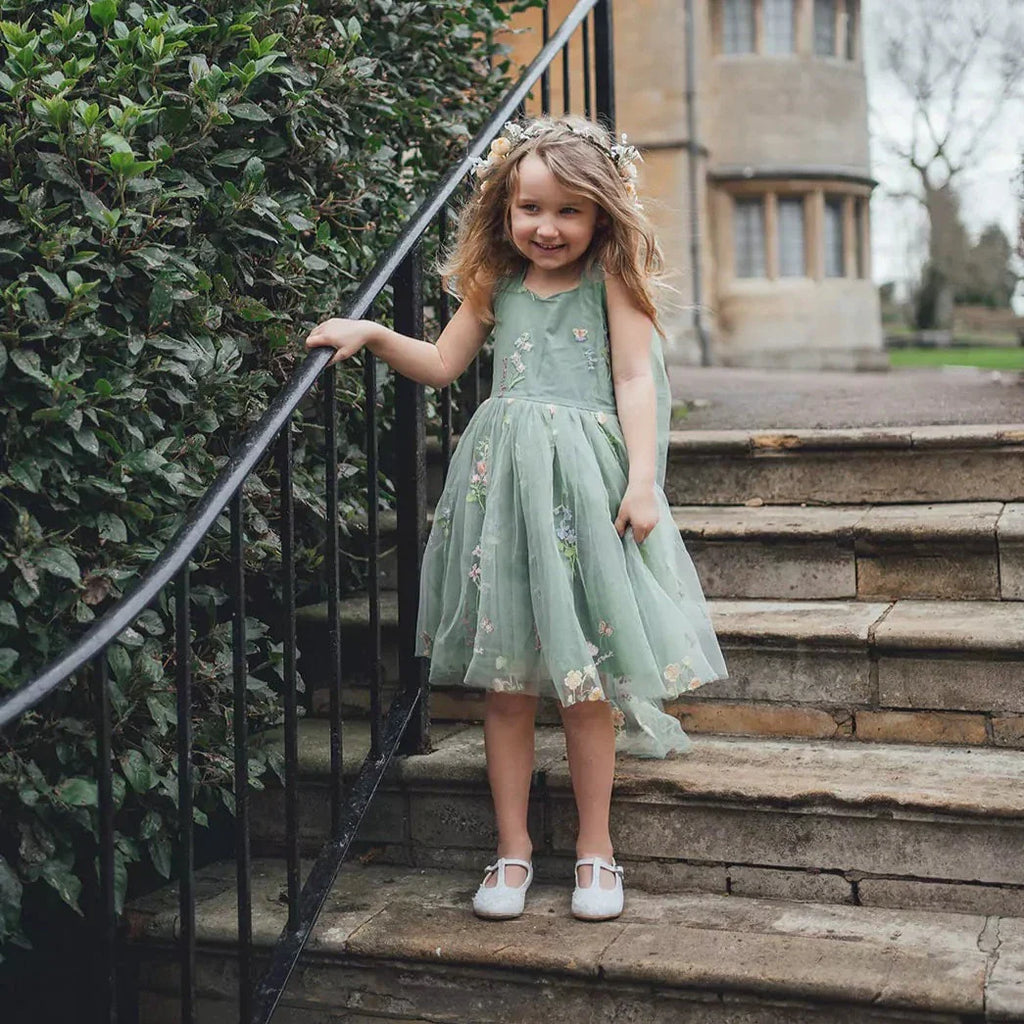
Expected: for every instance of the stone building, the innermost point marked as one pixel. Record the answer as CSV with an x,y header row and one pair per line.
x,y
780,171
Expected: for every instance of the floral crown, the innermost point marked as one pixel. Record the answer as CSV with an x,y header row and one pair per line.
x,y
624,156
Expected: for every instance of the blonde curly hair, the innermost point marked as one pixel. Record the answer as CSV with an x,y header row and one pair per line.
x,y
577,152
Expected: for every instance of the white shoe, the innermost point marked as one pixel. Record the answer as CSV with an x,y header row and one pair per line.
x,y
595,903
500,902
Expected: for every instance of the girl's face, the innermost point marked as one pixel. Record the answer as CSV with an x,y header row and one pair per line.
x,y
551,226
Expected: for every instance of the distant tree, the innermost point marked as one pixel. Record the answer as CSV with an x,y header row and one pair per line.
x,y
990,279
1020,202
961,63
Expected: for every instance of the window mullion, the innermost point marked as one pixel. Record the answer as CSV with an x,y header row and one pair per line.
x,y
849,239
814,220
771,235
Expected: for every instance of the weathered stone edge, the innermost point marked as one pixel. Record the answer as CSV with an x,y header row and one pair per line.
x,y
755,442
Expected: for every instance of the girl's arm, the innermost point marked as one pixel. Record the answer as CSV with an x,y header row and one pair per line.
x,y
436,365
629,331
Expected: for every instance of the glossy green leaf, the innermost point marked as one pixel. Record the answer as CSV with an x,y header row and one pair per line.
x,y
59,562
111,527
103,12
137,771
78,792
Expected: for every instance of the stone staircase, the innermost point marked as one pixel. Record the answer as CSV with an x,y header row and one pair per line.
x,y
845,843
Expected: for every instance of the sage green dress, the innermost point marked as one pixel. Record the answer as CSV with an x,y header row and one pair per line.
x,y
526,585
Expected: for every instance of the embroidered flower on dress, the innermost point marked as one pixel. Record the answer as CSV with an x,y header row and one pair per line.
x,y
592,649
579,333
486,625
566,535
477,493
507,685
591,358
583,685
427,642
604,628
672,673
520,345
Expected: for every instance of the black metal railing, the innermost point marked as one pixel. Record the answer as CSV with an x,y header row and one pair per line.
x,y
404,729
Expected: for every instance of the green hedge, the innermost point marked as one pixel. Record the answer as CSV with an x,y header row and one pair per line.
x,y
184,190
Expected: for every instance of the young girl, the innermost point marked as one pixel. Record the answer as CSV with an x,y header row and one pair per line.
x,y
553,566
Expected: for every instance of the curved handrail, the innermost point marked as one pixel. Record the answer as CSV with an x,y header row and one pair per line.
x,y
260,436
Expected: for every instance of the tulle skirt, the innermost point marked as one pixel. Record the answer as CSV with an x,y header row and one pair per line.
x,y
528,588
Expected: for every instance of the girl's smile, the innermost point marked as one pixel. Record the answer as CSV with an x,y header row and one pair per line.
x,y
550,225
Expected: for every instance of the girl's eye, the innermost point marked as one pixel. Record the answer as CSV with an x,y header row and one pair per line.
x,y
529,207
569,209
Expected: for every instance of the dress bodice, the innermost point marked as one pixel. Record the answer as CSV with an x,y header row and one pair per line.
x,y
556,349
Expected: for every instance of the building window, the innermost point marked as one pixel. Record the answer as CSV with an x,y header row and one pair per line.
x,y
851,30
779,25
749,237
738,26
834,238
792,260
825,28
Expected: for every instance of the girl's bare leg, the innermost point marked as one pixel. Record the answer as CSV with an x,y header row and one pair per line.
x,y
590,744
509,747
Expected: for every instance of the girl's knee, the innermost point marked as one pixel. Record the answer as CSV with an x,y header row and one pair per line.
x,y
510,704
586,714
585,710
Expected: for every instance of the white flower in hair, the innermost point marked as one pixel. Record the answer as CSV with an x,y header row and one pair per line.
x,y
622,154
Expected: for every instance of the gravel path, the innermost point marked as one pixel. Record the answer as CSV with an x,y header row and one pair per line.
x,y
721,399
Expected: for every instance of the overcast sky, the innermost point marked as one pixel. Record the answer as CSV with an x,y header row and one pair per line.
x,y
989,191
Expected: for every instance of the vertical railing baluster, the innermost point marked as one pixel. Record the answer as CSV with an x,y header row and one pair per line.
x,y
588,99
107,977
240,676
545,78
291,717
444,315
411,477
604,64
333,594
373,550
186,825
566,101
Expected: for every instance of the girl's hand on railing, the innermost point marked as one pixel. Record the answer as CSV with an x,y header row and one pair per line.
x,y
347,336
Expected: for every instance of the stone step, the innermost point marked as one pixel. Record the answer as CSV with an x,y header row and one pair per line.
x,y
948,672
399,945
865,824
894,465
953,550
956,550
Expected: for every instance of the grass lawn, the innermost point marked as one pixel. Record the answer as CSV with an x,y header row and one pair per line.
x,y
989,358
